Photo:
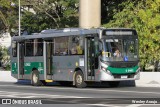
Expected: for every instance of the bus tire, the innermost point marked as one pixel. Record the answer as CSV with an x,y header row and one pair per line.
x,y
79,80
35,78
113,83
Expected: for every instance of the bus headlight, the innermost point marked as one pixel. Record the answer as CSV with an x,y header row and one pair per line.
x,y
104,68
108,72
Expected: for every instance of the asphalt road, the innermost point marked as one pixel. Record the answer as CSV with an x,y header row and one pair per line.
x,y
92,96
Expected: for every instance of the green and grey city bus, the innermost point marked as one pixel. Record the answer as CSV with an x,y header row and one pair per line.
x,y
77,56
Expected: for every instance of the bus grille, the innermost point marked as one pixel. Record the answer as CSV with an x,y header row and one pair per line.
x,y
128,76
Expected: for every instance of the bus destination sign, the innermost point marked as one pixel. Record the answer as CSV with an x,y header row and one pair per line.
x,y
119,33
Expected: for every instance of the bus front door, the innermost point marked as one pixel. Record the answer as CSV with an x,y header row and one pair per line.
x,y
90,58
20,60
49,59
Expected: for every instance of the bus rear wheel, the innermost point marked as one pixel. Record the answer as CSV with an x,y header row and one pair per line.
x,y
35,78
79,80
113,83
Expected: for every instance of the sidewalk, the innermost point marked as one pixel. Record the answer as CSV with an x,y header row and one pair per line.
x,y
147,84
149,79
5,76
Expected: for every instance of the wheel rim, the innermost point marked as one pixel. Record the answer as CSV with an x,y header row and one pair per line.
x,y
35,78
79,79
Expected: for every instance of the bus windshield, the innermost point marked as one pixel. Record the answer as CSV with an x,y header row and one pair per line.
x,y
120,50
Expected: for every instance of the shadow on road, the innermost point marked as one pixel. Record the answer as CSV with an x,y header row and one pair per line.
x,y
89,85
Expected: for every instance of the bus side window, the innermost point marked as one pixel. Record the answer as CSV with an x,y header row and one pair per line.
x,y
73,49
29,48
14,49
76,45
61,46
38,47
100,48
96,44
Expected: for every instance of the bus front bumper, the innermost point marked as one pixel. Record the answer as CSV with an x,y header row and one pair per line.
x,y
106,76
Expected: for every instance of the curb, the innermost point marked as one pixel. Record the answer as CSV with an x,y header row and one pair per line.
x,y
148,85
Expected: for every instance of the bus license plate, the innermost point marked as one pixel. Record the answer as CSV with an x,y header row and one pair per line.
x,y
124,76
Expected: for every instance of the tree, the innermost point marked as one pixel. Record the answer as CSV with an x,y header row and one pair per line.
x,y
4,58
109,8
45,14
50,14
3,22
144,16
8,16
8,20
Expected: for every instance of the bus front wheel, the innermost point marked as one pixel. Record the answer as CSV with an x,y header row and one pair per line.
x,y
35,78
79,80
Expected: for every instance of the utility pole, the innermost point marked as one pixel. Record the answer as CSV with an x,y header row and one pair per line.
x,y
19,18
89,13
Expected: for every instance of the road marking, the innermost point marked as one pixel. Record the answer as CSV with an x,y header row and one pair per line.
x,y
34,95
134,105
28,95
15,86
85,89
104,105
138,105
131,105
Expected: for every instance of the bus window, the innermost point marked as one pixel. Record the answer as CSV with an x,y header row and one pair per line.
x,y
38,47
76,45
29,48
61,46
14,49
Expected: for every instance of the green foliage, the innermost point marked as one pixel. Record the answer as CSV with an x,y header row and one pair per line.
x,y
46,14
109,8
144,16
8,16
51,14
4,57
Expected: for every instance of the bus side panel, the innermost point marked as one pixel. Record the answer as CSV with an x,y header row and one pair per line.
x,y
14,67
64,66
33,62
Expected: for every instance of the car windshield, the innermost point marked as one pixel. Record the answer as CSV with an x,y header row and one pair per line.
x,y
120,50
